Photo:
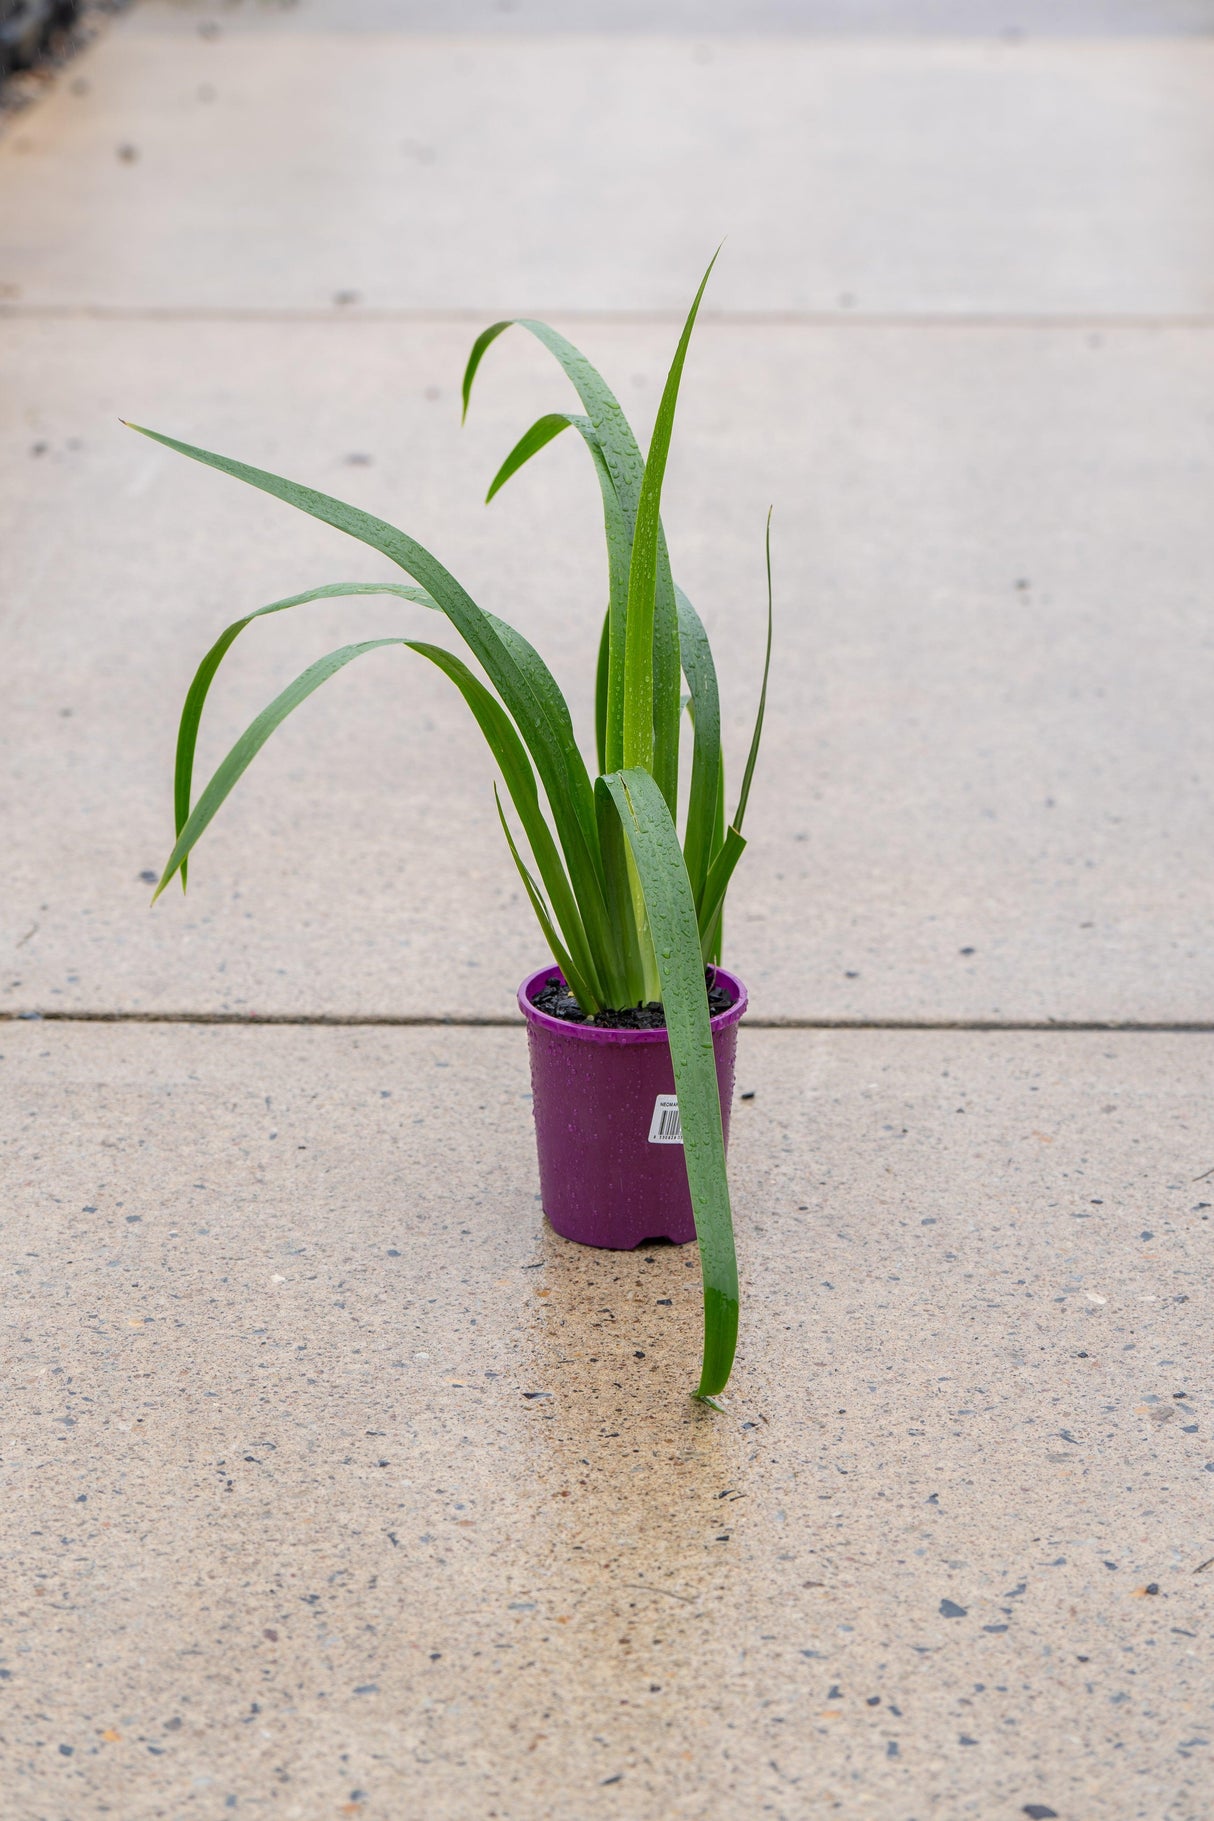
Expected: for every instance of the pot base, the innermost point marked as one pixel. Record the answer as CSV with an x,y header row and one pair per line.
x,y
617,1236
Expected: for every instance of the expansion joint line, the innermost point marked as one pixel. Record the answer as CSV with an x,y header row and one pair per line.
x,y
433,1021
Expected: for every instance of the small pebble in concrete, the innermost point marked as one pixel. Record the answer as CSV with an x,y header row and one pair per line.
x,y
949,1609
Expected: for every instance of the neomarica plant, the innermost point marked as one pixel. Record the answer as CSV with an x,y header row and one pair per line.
x,y
631,912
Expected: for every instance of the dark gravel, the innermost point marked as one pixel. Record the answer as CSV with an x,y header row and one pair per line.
x,y
556,999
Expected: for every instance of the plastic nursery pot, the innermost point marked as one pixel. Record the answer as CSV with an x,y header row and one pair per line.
x,y
606,1122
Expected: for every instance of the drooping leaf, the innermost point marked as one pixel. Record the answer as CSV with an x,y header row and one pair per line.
x,y
602,407
251,742
204,676
609,437
618,510
567,786
658,858
530,443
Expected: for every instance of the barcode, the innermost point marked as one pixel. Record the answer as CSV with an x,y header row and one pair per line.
x,y
666,1127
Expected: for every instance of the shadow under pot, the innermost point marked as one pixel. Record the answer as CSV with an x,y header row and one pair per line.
x,y
607,1132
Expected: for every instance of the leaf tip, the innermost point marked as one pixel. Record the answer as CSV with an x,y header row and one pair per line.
x,y
166,879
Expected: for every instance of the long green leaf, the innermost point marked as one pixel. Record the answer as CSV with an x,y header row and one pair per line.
x,y
204,676
752,755
712,947
543,915
619,484
519,779
530,443
712,899
715,886
568,787
621,471
619,445
614,850
654,844
546,692
251,742
647,720
701,675
601,684
621,467
538,437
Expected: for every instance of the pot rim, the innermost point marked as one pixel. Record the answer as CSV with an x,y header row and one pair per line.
x,y
592,1033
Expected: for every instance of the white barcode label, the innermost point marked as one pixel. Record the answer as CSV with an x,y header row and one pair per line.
x,y
666,1127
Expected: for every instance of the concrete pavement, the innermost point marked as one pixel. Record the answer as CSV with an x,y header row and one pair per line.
x,y
334,1482
340,1485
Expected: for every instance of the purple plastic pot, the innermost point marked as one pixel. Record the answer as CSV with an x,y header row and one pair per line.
x,y
611,1165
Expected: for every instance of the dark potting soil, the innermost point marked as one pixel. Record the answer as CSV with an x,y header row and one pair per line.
x,y
556,999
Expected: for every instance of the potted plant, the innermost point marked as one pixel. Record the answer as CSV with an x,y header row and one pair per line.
x,y
632,1068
